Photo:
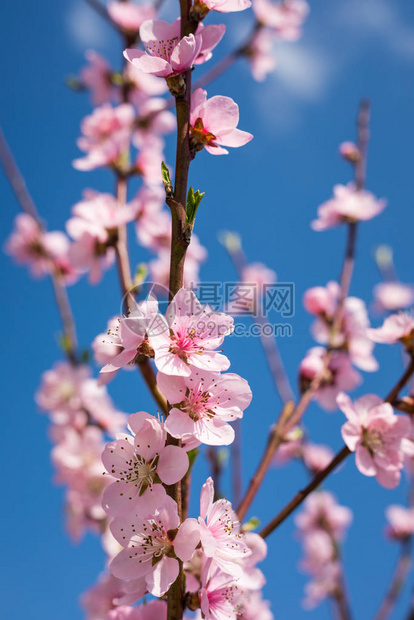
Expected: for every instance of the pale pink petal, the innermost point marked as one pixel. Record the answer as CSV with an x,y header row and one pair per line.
x,y
364,461
234,138
172,464
206,497
187,539
164,574
179,424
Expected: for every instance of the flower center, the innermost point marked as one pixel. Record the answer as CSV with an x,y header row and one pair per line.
x,y
200,137
373,441
162,49
183,344
196,405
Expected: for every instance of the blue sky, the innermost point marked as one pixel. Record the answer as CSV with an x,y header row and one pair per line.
x,y
269,192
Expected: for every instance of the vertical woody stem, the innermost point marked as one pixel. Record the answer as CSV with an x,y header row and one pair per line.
x,y
180,239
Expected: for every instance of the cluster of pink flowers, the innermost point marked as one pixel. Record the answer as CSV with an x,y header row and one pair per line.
x,y
82,414
350,345
44,253
220,560
322,526
314,456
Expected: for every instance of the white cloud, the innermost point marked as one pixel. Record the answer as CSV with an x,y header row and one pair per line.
x,y
303,71
381,19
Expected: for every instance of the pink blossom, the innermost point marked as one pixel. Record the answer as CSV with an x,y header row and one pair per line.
x,y
396,328
324,584
347,205
221,6
96,77
29,245
213,124
260,55
129,16
259,274
375,434
149,550
203,404
86,254
321,511
218,594
337,376
220,532
211,36
316,456
284,18
100,408
322,300
98,600
251,606
291,448
105,349
153,119
131,335
350,152
143,85
256,279
189,336
78,466
61,387
401,522
352,332
106,135
98,214
252,577
136,462
147,204
166,53
392,296
319,551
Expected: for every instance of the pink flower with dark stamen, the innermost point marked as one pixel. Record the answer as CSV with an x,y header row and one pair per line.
x,y
149,551
167,54
131,335
376,435
137,462
203,404
188,337
220,534
213,124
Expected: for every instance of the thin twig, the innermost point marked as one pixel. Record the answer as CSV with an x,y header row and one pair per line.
x,y
285,423
320,477
23,197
